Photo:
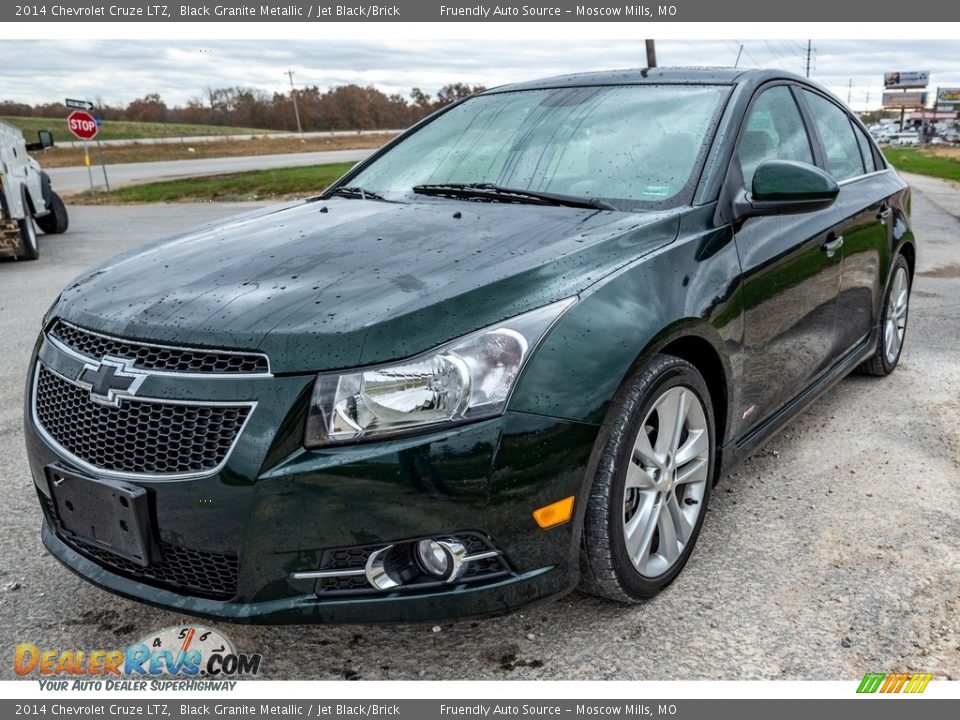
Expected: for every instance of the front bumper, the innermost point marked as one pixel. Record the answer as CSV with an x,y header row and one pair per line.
x,y
276,508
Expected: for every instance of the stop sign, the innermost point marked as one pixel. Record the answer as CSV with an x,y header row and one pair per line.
x,y
82,125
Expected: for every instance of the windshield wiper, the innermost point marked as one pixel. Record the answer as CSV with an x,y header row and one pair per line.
x,y
354,192
492,192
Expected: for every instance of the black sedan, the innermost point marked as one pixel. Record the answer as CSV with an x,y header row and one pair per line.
x,y
510,353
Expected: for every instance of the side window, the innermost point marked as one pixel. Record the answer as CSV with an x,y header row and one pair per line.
x,y
836,133
866,149
774,131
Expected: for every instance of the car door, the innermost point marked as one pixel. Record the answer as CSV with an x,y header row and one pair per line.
x,y
863,210
790,270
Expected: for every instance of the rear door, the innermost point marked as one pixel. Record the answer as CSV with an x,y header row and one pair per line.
x,y
863,211
790,277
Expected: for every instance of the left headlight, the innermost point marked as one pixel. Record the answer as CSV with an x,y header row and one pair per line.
x,y
465,379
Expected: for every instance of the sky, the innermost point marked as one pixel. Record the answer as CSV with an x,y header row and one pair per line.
x,y
116,72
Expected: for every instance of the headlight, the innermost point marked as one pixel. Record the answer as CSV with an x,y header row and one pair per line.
x,y
465,379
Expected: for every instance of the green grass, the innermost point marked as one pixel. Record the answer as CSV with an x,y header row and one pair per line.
x,y
254,185
123,130
922,162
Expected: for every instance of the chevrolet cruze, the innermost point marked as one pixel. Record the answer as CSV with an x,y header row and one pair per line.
x,y
509,354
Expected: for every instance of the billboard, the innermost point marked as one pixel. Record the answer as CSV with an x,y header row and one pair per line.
x,y
910,99
948,97
914,79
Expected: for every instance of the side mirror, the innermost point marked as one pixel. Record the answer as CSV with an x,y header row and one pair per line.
x,y
46,139
783,187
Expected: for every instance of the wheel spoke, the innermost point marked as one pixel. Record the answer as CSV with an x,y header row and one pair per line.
x,y
644,453
695,471
680,523
638,531
678,423
638,477
697,444
668,548
668,410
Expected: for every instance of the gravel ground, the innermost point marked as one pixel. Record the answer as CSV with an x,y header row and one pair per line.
x,y
832,552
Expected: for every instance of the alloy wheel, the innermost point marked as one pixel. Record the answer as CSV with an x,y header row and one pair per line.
x,y
666,481
895,322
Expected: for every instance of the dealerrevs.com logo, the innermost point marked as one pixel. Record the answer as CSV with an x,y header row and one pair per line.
x,y
199,657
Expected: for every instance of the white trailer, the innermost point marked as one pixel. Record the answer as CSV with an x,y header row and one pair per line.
x,y
26,198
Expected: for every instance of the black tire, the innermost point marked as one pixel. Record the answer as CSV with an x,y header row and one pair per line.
x,y
606,568
880,364
29,246
56,221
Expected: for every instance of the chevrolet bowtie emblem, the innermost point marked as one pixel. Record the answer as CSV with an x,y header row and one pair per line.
x,y
110,380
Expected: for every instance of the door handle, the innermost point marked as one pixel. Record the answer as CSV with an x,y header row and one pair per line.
x,y
830,247
884,214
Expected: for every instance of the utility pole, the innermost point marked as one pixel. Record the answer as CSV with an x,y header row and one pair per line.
x,y
293,94
651,54
809,46
849,91
739,53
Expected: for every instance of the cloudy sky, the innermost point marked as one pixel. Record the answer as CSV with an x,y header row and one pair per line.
x,y
119,71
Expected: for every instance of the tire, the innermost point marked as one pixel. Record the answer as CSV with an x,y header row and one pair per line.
x,y
29,246
56,221
893,322
647,508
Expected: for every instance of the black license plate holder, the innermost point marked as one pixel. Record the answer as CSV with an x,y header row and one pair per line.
x,y
110,514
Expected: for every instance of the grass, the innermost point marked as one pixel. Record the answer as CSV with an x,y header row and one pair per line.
x,y
277,184
939,163
123,129
62,156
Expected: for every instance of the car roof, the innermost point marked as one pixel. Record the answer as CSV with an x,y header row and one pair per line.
x,y
655,76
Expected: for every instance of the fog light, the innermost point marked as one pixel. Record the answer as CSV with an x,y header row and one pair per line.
x,y
433,558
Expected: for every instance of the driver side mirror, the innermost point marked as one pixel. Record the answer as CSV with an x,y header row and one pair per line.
x,y
46,139
785,187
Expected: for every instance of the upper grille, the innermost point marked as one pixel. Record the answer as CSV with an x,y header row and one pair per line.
x,y
157,357
138,437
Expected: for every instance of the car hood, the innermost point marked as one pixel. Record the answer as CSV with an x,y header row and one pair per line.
x,y
337,283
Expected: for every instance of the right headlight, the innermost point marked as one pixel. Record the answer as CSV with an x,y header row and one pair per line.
x,y
466,379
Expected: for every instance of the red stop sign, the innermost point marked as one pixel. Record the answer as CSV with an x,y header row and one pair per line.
x,y
82,125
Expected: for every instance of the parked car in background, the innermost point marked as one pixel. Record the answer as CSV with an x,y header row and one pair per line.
x,y
905,139
26,197
508,354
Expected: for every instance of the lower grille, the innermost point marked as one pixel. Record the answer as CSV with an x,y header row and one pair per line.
x,y
198,572
137,437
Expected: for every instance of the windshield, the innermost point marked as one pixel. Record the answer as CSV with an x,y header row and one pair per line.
x,y
631,145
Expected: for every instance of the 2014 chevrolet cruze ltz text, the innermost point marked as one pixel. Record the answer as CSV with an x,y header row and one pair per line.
x,y
508,355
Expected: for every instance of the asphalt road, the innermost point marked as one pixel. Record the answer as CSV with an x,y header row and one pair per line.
x,y
69,180
831,553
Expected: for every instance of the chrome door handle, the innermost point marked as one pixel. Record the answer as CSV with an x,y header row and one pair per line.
x,y
884,214
831,246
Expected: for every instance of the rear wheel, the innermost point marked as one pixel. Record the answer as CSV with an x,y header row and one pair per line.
x,y
652,485
56,221
893,329
29,247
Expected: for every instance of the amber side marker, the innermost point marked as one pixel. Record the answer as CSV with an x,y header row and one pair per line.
x,y
555,513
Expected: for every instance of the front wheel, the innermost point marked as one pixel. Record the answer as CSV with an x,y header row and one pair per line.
x,y
56,221
650,492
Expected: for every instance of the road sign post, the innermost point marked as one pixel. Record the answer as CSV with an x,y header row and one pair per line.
x,y
84,127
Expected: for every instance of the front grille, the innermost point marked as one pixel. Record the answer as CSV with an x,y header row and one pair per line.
x,y
199,572
158,357
138,437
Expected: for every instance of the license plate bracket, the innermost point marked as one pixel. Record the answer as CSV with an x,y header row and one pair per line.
x,y
111,514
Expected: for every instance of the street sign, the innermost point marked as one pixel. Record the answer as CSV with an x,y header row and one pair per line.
x,y
78,104
82,124
903,80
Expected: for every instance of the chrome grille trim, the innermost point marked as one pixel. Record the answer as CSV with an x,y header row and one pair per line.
x,y
62,345
89,467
